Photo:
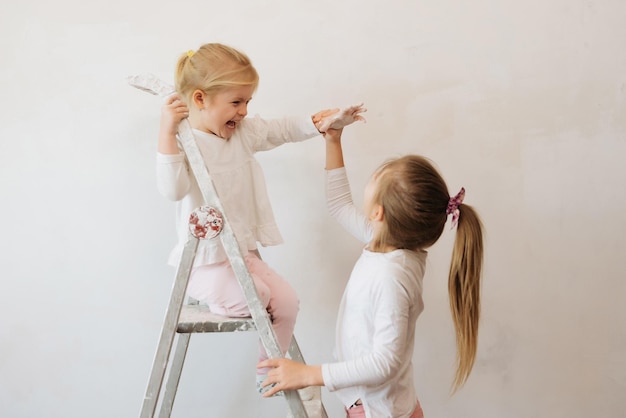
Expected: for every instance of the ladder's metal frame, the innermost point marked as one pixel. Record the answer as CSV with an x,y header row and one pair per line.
x,y
259,314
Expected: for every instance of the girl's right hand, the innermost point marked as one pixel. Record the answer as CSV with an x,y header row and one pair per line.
x,y
174,110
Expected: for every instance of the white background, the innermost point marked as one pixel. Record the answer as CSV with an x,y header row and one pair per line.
x,y
521,102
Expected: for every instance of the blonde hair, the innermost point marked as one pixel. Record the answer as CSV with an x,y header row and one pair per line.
x,y
212,68
414,198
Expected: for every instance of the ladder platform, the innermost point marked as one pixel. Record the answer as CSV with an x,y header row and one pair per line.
x,y
199,318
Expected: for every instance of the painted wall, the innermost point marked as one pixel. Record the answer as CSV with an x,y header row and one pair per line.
x,y
522,103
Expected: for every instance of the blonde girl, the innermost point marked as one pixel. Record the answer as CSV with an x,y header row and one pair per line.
x,y
214,86
406,205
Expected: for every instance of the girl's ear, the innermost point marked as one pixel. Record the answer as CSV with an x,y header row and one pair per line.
x,y
378,213
199,99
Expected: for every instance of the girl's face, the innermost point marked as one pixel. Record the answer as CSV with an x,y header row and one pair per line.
x,y
221,113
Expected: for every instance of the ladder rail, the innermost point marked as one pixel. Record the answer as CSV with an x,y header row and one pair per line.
x,y
176,370
168,330
173,379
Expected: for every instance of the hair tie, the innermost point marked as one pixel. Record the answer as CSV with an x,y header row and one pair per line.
x,y
190,53
453,206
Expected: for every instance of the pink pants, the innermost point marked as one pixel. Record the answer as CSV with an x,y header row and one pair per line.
x,y
359,412
217,286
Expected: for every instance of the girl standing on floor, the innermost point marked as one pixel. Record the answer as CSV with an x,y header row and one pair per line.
x,y
406,207
214,86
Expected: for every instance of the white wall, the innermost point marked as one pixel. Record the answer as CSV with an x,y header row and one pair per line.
x,y
523,103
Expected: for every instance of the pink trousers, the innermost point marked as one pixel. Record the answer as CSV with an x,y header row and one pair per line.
x,y
359,412
217,286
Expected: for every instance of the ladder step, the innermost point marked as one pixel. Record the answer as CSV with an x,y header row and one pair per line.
x,y
198,318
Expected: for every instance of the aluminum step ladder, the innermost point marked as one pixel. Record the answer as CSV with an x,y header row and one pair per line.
x,y
185,318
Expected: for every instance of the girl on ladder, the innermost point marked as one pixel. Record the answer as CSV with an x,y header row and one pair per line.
x,y
214,86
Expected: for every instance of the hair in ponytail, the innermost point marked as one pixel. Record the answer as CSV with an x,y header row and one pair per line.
x,y
464,290
213,68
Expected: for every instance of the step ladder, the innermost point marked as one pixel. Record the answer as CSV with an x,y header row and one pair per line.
x,y
185,318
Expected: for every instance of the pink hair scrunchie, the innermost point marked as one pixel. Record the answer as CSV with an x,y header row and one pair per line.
x,y
453,206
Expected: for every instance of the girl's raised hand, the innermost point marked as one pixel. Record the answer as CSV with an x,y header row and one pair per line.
x,y
333,119
174,110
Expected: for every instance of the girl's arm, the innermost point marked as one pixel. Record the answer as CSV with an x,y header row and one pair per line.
x,y
334,152
266,134
272,133
338,195
173,180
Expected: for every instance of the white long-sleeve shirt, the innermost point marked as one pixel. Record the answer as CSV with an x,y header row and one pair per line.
x,y
376,319
238,180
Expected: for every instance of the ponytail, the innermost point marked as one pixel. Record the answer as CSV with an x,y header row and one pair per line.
x,y
464,290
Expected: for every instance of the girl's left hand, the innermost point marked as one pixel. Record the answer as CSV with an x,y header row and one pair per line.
x,y
288,374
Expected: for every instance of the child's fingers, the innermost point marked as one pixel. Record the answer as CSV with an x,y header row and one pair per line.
x,y
176,107
171,99
267,363
324,113
271,391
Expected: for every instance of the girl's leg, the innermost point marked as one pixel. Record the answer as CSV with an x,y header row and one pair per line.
x,y
283,302
217,286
